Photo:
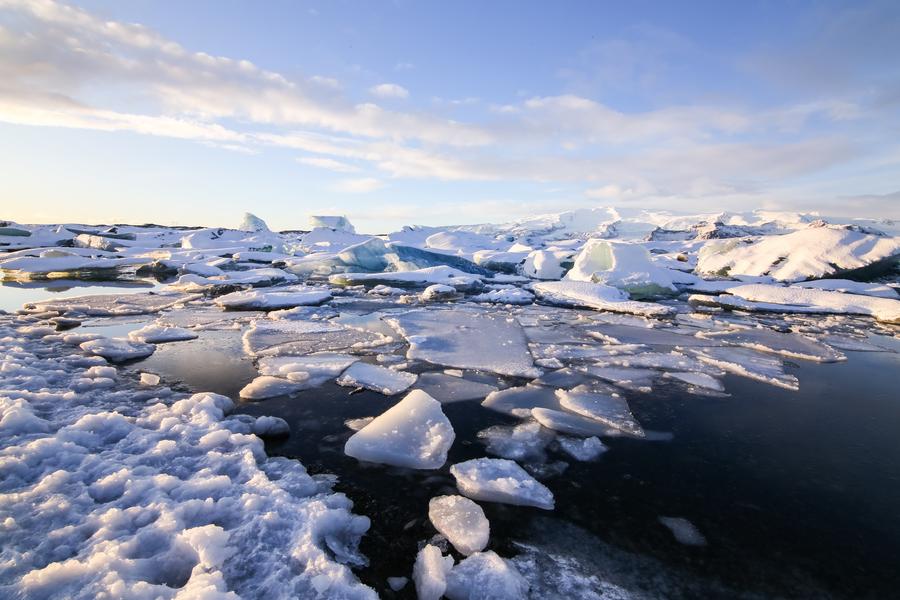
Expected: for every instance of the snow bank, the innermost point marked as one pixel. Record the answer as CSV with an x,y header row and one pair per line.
x,y
140,497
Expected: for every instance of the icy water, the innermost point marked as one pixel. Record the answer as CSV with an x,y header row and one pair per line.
x,y
13,294
795,492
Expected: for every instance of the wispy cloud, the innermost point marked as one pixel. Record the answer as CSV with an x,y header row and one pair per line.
x,y
389,90
329,164
363,185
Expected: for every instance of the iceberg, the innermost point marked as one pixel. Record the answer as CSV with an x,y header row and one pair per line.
x,y
461,521
500,480
414,433
624,266
811,253
338,223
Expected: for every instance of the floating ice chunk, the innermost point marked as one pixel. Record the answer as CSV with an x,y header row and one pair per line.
x,y
117,349
274,299
511,295
518,401
268,426
149,379
701,380
430,573
566,422
651,336
624,266
253,277
397,583
684,531
665,361
101,371
750,364
546,264
445,388
467,340
806,254
414,433
357,424
583,449
525,441
438,292
427,276
597,296
500,480
486,576
461,521
266,386
155,333
787,344
379,379
385,290
67,266
851,287
609,410
774,298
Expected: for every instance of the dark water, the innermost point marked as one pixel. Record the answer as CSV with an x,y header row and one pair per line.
x,y
797,493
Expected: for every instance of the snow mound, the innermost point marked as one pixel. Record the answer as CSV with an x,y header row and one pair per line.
x,y
414,433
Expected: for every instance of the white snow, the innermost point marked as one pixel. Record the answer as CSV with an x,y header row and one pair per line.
x,y
379,379
414,433
500,480
461,521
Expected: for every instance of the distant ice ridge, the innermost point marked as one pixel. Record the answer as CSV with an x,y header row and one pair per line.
x,y
145,493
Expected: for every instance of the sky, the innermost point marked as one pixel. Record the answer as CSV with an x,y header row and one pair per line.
x,y
438,113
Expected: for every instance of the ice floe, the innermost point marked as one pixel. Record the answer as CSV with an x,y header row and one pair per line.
x,y
500,480
414,433
596,296
117,349
277,298
154,333
379,379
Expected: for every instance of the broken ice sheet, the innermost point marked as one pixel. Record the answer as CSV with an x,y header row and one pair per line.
x,y
572,424
308,371
109,305
280,337
519,401
749,363
465,339
607,409
446,388
276,298
628,378
787,344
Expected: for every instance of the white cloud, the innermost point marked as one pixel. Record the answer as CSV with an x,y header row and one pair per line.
x,y
389,90
358,186
328,163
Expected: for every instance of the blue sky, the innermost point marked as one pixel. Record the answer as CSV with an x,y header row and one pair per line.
x,y
437,113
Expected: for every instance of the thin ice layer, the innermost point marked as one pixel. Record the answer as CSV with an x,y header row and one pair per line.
x,y
484,341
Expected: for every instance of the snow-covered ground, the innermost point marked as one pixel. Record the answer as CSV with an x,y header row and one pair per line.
x,y
114,484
